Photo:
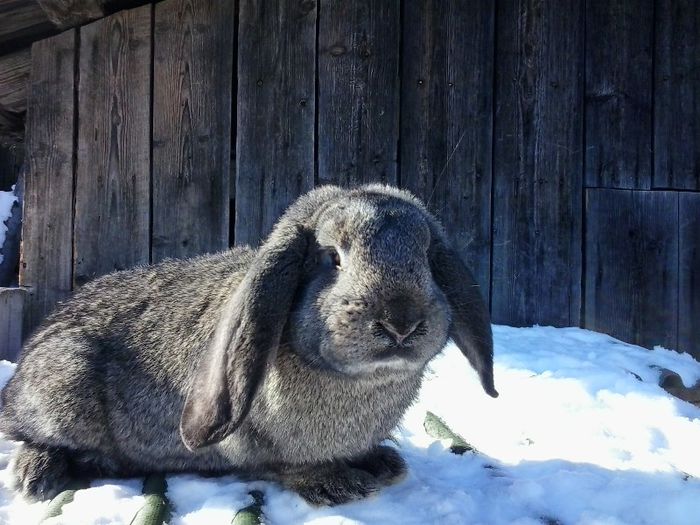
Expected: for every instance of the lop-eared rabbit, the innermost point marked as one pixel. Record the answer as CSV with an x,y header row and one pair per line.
x,y
291,363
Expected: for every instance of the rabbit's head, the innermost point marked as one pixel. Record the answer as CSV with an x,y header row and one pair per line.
x,y
361,282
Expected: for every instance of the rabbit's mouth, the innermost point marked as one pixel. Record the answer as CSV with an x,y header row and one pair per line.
x,y
397,352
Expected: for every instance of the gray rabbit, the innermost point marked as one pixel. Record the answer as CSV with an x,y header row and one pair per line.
x,y
290,363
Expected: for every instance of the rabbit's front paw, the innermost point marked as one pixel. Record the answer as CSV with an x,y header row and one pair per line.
x,y
40,472
384,463
334,486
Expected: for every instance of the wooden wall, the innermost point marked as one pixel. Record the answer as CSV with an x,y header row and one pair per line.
x,y
558,141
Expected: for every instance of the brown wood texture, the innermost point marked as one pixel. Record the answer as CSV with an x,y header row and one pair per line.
x,y
46,258
677,95
689,268
632,265
619,52
358,92
447,120
112,210
538,163
275,113
193,60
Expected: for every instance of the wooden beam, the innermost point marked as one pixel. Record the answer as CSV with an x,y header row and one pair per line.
x,y
69,13
23,22
14,76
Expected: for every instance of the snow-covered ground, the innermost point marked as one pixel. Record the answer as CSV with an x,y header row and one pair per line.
x,y
574,438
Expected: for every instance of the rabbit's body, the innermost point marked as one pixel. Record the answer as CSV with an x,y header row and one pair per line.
x,y
300,413
292,362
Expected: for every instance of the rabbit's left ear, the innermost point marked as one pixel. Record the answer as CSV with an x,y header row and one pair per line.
x,y
471,325
245,340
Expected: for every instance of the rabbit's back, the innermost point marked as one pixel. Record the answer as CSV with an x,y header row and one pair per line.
x,y
109,368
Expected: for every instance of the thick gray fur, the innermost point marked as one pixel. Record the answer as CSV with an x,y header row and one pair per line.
x,y
274,363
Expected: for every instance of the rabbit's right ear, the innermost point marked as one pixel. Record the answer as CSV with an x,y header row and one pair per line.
x,y
246,338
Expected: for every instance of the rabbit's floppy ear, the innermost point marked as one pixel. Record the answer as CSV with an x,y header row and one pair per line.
x,y
246,338
471,326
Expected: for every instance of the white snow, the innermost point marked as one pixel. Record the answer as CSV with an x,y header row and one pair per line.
x,y
574,437
7,199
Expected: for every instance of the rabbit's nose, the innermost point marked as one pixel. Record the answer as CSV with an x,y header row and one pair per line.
x,y
399,331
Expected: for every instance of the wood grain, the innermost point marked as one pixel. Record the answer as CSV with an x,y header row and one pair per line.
x,y
677,95
191,126
358,92
113,174
538,163
46,258
632,265
689,267
619,52
275,113
447,119
11,309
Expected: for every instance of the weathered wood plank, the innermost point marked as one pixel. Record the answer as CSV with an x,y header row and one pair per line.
x,y
689,278
11,308
276,106
677,95
538,163
632,265
191,126
446,119
358,91
113,174
14,79
46,258
23,21
69,13
619,50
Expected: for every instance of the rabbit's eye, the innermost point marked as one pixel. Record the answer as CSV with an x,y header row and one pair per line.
x,y
332,257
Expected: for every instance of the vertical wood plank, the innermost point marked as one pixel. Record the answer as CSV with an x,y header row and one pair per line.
x,y
113,173
677,95
193,60
538,163
689,265
47,229
632,265
447,118
619,50
358,91
275,112
11,308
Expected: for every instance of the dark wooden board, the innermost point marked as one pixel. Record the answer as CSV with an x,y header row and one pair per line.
x,y
631,283
536,276
112,194
689,265
619,51
14,79
275,113
23,22
447,118
677,95
193,60
47,229
358,91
